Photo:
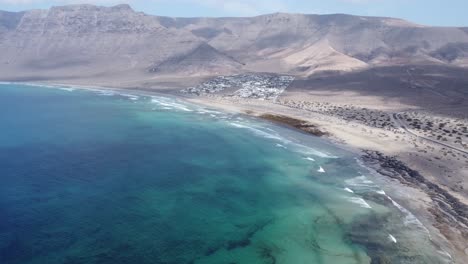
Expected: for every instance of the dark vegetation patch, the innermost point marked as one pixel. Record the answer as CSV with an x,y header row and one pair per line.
x,y
296,123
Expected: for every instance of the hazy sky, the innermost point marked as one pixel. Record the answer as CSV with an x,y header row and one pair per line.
x,y
430,12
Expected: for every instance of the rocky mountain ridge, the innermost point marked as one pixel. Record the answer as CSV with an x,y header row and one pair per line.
x,y
86,41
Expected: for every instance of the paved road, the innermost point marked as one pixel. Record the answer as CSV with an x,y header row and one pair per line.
x,y
402,125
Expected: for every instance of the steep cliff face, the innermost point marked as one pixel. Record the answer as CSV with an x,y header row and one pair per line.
x,y
85,40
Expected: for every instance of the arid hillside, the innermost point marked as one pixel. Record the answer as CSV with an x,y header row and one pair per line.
x,y
101,43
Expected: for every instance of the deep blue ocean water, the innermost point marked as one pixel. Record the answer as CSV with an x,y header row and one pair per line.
x,y
98,176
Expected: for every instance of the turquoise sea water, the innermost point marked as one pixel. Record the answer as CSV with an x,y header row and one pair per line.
x,y
89,176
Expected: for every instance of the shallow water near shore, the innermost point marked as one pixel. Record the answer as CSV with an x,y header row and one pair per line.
x,y
98,176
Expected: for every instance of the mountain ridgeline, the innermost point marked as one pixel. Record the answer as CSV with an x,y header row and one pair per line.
x,y
86,41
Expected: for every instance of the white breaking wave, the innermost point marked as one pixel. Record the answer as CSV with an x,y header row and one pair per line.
x,y
272,135
309,158
67,89
212,114
444,253
410,219
348,190
106,93
361,182
392,238
281,146
236,125
100,91
38,85
165,102
305,150
361,202
321,170
206,111
130,96
260,132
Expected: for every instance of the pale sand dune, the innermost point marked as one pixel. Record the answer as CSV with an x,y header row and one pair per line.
x,y
321,57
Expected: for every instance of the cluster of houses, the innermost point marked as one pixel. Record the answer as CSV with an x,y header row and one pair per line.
x,y
256,86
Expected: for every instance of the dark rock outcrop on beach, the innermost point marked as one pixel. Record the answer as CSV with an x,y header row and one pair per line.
x,y
99,43
450,214
301,125
392,167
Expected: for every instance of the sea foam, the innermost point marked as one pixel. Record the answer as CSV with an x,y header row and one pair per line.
x,y
68,89
362,183
170,104
359,201
272,134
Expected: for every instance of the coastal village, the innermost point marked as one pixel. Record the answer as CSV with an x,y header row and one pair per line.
x,y
430,137
254,86
452,132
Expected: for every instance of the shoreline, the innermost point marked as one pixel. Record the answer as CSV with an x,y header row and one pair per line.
x,y
428,209
422,198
